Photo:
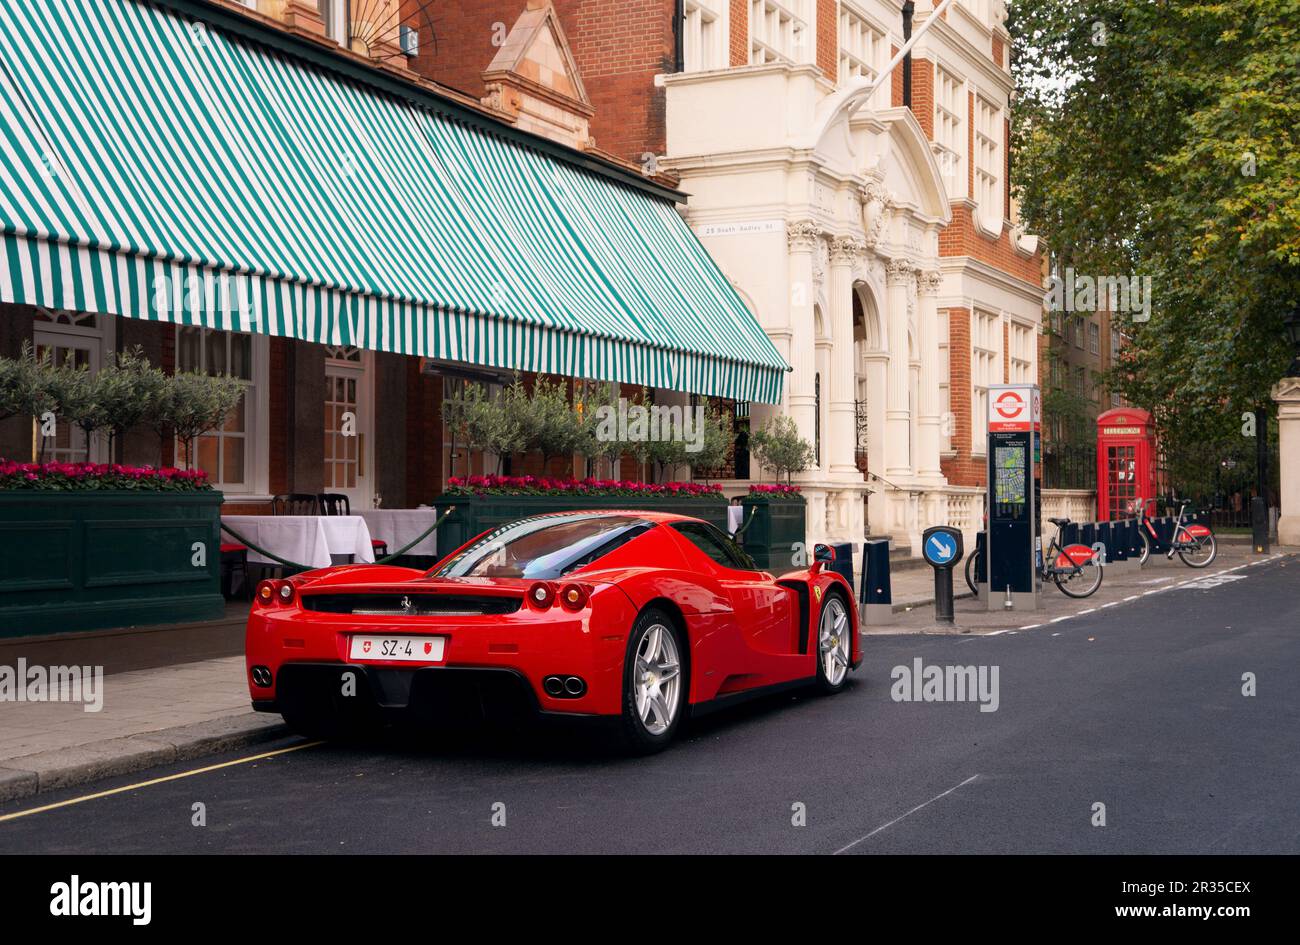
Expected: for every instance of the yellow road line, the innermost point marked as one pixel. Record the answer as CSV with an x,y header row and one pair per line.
x,y
150,783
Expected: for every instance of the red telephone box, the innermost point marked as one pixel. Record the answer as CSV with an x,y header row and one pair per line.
x,y
1126,462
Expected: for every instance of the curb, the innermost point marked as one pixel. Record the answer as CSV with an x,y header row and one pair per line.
x,y
29,775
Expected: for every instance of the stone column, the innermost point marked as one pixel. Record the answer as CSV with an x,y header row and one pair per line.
x,y
930,409
843,420
802,236
898,282
1286,393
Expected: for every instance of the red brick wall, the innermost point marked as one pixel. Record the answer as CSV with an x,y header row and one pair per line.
x,y
963,238
423,434
895,81
1006,168
970,145
923,95
960,468
278,409
1006,353
828,38
738,41
619,46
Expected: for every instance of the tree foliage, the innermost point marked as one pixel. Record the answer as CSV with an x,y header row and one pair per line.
x,y
780,448
1163,140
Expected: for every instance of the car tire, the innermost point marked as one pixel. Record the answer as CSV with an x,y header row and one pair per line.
x,y
655,645
833,627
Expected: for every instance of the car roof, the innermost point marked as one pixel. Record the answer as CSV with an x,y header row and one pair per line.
x,y
649,516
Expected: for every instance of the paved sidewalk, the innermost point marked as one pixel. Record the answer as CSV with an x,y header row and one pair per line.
x,y
1120,585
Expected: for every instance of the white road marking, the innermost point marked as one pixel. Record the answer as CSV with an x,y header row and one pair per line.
x,y
937,797
1132,597
1088,611
1031,626
1059,619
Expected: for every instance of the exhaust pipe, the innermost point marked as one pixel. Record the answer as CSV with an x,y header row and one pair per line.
x,y
574,686
553,685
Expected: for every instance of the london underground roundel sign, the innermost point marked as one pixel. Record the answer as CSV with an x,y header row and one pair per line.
x,y
1013,408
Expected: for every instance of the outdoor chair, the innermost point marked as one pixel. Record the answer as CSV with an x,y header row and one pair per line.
x,y
296,503
336,503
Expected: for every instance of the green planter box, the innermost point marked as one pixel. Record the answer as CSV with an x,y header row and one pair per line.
x,y
86,560
779,529
476,514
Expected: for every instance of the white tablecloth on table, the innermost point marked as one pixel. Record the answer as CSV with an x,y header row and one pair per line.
x,y
399,527
735,516
303,539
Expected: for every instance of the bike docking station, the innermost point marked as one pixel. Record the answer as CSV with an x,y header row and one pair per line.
x,y
941,547
1013,544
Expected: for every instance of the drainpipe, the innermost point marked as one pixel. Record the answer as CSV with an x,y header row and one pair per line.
x,y
908,9
863,93
679,39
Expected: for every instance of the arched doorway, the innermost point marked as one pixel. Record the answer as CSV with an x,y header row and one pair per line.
x,y
871,362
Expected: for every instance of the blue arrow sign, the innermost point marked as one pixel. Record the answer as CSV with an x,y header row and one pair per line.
x,y
940,549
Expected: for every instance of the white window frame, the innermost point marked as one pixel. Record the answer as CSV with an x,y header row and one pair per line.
x,y
989,198
1094,338
945,385
704,35
951,103
336,15
1020,351
257,472
863,49
781,31
985,371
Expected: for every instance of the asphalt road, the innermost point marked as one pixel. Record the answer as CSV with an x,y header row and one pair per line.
x,y
1138,707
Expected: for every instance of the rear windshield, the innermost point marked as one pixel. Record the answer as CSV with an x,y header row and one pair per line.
x,y
544,548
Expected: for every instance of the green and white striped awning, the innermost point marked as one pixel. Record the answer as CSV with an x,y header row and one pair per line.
x,y
157,166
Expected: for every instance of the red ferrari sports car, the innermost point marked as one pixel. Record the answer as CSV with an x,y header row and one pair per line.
x,y
634,617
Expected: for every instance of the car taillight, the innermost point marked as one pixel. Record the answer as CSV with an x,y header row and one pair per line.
x,y
574,596
275,592
266,593
541,595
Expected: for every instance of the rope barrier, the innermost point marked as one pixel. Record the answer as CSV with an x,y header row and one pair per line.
x,y
744,525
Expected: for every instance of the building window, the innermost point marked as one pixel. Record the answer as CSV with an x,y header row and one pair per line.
x,y
986,339
779,32
1021,351
946,420
988,163
704,32
949,129
1094,338
229,453
864,50
1076,331
1081,382
335,15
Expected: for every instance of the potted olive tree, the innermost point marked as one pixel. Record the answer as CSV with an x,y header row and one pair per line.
x,y
775,514
91,545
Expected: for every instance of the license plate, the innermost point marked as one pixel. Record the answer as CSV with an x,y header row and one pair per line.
x,y
398,649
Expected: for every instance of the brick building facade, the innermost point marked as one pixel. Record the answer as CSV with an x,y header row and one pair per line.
x,y
874,237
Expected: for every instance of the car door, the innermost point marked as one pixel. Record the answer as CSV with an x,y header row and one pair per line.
x,y
766,614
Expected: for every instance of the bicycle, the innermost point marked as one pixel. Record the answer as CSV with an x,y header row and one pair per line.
x,y
1193,543
1075,569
